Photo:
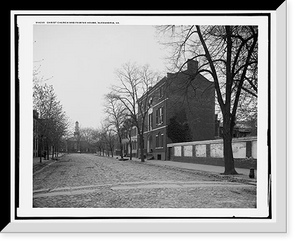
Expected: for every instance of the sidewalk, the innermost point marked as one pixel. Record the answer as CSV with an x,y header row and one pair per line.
x,y
37,165
243,172
36,160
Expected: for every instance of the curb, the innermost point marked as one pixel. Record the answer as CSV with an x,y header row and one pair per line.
x,y
231,178
48,163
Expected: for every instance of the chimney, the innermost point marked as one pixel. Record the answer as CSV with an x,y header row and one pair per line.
x,y
192,66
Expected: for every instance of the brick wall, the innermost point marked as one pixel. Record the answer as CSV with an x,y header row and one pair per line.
x,y
197,98
211,152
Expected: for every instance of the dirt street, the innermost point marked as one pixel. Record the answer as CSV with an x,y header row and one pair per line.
x,y
86,180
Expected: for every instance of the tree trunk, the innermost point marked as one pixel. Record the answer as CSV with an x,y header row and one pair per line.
x,y
130,145
121,147
142,147
228,124
40,150
228,156
47,151
52,151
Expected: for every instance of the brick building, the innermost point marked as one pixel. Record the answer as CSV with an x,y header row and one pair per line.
x,y
185,99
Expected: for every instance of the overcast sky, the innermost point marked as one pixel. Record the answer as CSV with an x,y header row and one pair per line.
x,y
81,61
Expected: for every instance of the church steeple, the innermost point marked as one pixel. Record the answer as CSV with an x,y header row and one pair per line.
x,y
76,133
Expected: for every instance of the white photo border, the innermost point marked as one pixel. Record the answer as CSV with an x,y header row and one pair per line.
x,y
26,27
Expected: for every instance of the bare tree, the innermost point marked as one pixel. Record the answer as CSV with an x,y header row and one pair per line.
x,y
86,134
37,77
116,112
126,132
227,56
109,137
133,93
53,122
96,139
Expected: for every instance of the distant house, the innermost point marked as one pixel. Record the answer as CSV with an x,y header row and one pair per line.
x,y
134,142
182,109
240,130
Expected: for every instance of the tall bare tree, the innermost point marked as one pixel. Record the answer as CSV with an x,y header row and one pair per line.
x,y
133,92
116,112
109,137
227,56
53,122
86,134
127,128
97,139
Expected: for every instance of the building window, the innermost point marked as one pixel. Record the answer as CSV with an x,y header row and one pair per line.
x,y
161,92
157,140
162,140
150,122
133,132
160,116
150,101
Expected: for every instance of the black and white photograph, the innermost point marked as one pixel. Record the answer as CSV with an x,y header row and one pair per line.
x,y
145,116
152,116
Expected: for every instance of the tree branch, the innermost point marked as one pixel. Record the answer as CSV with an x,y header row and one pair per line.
x,y
240,85
213,69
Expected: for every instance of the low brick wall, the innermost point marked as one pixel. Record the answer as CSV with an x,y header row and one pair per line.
x,y
210,152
